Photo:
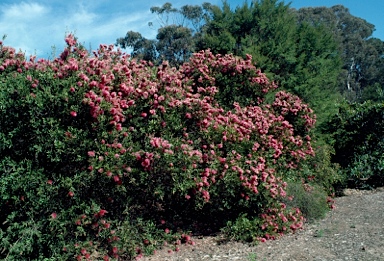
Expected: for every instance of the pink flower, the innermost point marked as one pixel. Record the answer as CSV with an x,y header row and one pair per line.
x,y
91,154
102,212
206,195
73,113
70,40
54,215
146,163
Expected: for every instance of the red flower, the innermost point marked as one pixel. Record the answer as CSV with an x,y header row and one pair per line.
x,y
73,113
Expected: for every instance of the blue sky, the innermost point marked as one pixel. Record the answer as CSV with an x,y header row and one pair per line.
x,y
34,26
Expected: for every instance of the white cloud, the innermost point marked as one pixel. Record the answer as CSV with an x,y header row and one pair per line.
x,y
21,22
36,27
23,12
81,16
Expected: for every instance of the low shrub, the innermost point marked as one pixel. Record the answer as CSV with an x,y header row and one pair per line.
x,y
311,199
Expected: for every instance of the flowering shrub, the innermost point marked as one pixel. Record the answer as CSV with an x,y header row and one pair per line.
x,y
105,157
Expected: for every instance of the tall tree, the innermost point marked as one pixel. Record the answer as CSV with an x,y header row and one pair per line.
x,y
301,57
373,67
176,37
217,34
142,48
174,44
317,68
360,53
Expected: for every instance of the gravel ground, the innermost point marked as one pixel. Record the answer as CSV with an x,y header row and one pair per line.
x,y
353,231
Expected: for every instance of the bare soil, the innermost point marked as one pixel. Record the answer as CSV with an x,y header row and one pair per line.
x,y
353,231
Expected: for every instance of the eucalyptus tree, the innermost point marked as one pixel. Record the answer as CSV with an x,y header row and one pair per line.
x,y
176,36
361,54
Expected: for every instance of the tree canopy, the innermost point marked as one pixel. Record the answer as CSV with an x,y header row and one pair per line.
x,y
361,54
320,54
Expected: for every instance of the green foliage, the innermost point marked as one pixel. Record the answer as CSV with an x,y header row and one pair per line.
x,y
243,229
361,55
367,167
317,68
174,44
374,93
357,136
318,170
142,48
216,35
310,199
179,32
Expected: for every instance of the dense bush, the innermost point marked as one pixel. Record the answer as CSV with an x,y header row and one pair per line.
x,y
357,134
104,157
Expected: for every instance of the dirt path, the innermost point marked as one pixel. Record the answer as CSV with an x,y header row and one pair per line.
x,y
353,231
